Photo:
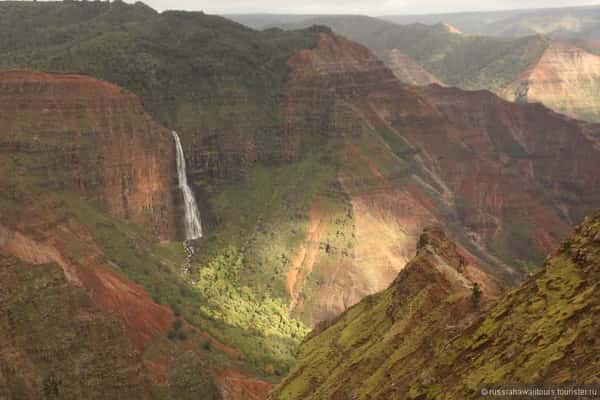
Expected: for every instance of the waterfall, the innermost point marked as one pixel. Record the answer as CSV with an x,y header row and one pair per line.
x,y
193,226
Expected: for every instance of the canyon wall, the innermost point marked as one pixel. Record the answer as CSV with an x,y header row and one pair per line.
x,y
90,137
434,334
509,180
565,78
86,195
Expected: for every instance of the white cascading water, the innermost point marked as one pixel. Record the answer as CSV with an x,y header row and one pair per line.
x,y
193,225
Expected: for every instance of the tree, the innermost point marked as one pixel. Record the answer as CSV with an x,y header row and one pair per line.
x,y
476,295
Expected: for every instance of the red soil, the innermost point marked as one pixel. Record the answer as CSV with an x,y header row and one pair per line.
x,y
236,385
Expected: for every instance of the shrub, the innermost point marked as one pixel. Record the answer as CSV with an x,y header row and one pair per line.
x,y
476,295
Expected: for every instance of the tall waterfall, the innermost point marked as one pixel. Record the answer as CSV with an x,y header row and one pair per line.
x,y
193,226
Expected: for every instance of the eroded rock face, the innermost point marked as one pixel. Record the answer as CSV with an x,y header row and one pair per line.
x,y
408,70
526,143
325,88
387,339
87,136
433,329
509,180
566,79
75,151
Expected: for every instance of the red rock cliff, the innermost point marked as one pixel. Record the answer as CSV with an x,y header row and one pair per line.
x,y
508,180
94,138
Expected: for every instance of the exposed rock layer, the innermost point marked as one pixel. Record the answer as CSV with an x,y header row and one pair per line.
x,y
74,150
411,157
565,78
432,336
93,138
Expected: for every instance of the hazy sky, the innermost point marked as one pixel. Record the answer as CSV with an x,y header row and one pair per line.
x,y
369,7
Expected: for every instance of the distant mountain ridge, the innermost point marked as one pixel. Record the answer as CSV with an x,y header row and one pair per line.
x,y
422,54
580,22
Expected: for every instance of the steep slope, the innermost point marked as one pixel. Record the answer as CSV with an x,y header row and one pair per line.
x,y
80,135
390,336
410,157
551,322
470,62
39,307
423,337
85,196
530,69
565,78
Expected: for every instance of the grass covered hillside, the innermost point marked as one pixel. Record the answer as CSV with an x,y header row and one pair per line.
x,y
431,335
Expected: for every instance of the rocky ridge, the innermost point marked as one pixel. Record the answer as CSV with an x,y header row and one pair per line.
x,y
434,335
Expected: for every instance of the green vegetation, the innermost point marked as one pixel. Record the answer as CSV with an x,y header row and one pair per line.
x,y
265,217
402,343
191,70
515,243
131,249
42,316
237,305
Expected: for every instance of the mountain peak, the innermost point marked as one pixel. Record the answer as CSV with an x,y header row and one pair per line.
x,y
433,240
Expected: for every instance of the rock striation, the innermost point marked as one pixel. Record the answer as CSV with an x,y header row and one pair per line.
x,y
507,179
565,78
91,137
434,334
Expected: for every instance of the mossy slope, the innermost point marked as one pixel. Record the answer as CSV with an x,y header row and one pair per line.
x,y
390,336
401,344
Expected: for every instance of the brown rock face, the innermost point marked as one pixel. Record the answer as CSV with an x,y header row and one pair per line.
x,y
433,334
565,78
525,146
508,180
325,88
386,340
94,138
408,70
72,151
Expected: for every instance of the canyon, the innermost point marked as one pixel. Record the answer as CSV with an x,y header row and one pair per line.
x,y
83,160
410,157
314,168
433,335
560,73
